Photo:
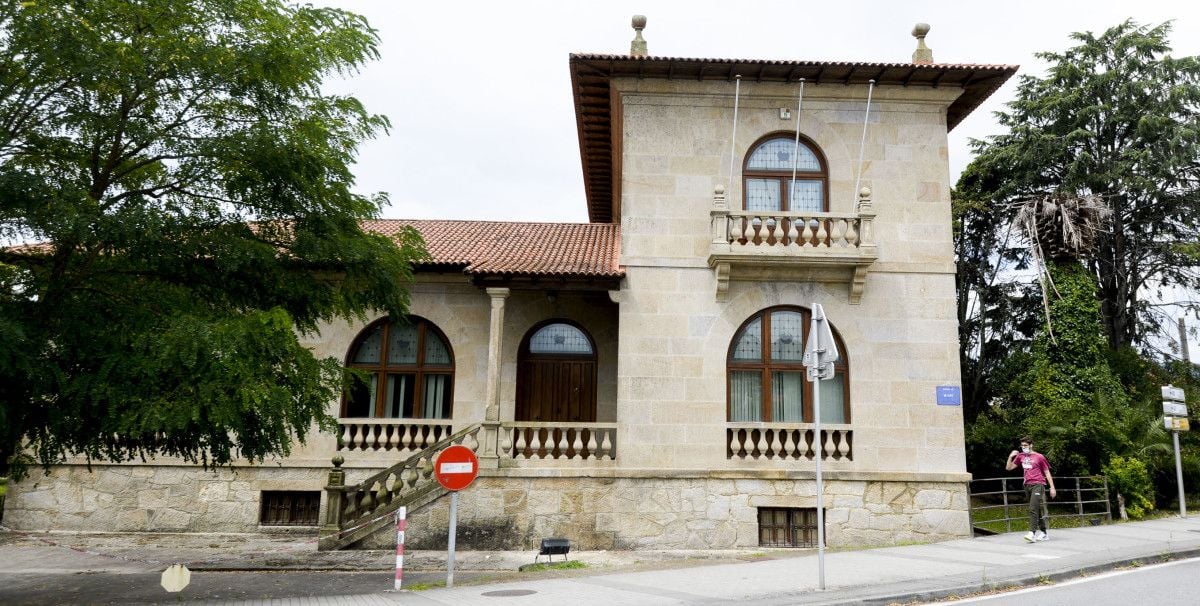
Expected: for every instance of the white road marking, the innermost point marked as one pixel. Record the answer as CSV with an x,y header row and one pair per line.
x,y
1078,581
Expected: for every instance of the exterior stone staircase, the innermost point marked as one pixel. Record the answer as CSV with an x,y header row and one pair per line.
x,y
356,512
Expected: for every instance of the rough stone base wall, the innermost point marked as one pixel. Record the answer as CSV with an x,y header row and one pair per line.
x,y
660,513
127,498
498,512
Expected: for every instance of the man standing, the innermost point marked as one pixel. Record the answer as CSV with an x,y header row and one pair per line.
x,y
1037,477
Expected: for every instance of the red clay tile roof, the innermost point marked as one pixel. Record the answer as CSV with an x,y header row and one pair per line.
x,y
511,248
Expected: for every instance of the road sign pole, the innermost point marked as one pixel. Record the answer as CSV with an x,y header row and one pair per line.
x,y
820,486
1179,475
450,540
819,351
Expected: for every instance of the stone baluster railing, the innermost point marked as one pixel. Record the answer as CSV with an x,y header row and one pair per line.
x,y
782,441
398,435
574,441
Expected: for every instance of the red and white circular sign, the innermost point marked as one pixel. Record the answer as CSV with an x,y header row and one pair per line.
x,y
456,467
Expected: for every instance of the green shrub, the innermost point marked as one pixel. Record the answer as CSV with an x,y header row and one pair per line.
x,y
1130,478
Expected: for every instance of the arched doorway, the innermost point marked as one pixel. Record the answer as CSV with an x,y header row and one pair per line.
x,y
556,374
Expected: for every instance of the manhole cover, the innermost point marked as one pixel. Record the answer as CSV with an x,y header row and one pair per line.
x,y
508,593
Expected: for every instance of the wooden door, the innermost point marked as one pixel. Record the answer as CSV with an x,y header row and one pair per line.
x,y
556,389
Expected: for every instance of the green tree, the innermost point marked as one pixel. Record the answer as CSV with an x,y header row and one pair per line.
x,y
176,200
1115,118
997,315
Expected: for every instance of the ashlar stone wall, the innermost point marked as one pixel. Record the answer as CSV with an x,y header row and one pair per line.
x,y
681,513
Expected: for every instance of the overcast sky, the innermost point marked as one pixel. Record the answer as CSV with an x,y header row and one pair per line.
x,y
479,94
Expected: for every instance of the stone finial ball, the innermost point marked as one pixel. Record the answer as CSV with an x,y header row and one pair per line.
x,y
864,192
719,189
639,21
920,29
338,460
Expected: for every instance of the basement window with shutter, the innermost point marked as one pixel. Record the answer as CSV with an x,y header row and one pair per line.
x,y
787,527
290,508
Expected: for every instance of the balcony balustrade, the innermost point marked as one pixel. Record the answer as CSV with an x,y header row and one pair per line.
x,y
819,246
393,435
562,441
784,441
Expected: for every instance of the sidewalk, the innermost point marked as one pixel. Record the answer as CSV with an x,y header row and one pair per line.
x,y
873,576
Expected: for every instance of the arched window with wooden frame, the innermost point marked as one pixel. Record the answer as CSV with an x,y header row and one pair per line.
x,y
767,380
767,173
409,372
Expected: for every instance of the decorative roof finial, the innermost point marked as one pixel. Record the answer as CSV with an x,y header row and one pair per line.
x,y
637,48
923,54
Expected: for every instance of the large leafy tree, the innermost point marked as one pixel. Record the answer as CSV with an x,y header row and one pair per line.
x,y
1117,118
176,207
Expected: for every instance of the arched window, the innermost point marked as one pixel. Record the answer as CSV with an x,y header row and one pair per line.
x,y
767,378
768,171
409,370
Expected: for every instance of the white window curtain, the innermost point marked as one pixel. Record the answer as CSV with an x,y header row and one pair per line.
x,y
745,396
787,397
435,397
832,397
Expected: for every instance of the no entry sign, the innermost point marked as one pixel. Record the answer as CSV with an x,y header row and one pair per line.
x,y
456,467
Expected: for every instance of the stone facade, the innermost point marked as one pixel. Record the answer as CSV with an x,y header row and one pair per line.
x,y
662,346
150,498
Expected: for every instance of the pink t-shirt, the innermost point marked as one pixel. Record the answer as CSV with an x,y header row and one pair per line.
x,y
1035,467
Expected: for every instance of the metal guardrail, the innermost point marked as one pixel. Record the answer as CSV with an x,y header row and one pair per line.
x,y
1083,497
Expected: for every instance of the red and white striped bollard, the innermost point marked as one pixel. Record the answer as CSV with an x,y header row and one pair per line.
x,y
401,525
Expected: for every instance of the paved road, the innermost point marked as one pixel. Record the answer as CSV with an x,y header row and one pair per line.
x,y
1170,584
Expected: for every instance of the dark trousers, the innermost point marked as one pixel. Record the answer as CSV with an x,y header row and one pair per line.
x,y
1036,493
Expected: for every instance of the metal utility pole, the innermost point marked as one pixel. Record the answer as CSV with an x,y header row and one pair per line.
x,y
820,352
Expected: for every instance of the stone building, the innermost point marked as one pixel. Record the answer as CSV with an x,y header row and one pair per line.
x,y
638,381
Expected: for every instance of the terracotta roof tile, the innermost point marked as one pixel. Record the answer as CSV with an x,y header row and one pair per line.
x,y
513,248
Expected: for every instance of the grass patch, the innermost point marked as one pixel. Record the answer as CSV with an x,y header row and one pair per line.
x,y
539,567
423,586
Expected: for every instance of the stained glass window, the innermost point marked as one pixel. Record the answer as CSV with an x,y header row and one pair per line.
x,y
777,154
403,386
768,184
560,338
773,386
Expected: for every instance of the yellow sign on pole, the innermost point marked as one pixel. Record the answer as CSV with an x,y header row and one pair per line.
x,y
1176,423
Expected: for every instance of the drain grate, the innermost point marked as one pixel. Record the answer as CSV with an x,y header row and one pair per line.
x,y
508,593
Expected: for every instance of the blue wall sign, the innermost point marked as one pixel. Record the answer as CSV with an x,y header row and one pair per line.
x,y
949,395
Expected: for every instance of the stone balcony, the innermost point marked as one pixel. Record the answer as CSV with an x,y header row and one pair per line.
x,y
801,246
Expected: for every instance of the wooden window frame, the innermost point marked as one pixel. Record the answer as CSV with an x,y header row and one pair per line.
x,y
784,176
765,365
797,527
269,501
419,370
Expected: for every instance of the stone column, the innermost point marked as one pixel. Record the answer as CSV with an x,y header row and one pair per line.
x,y
489,450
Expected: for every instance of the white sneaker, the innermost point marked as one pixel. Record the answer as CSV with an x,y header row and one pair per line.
x,y
1041,536
1029,538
